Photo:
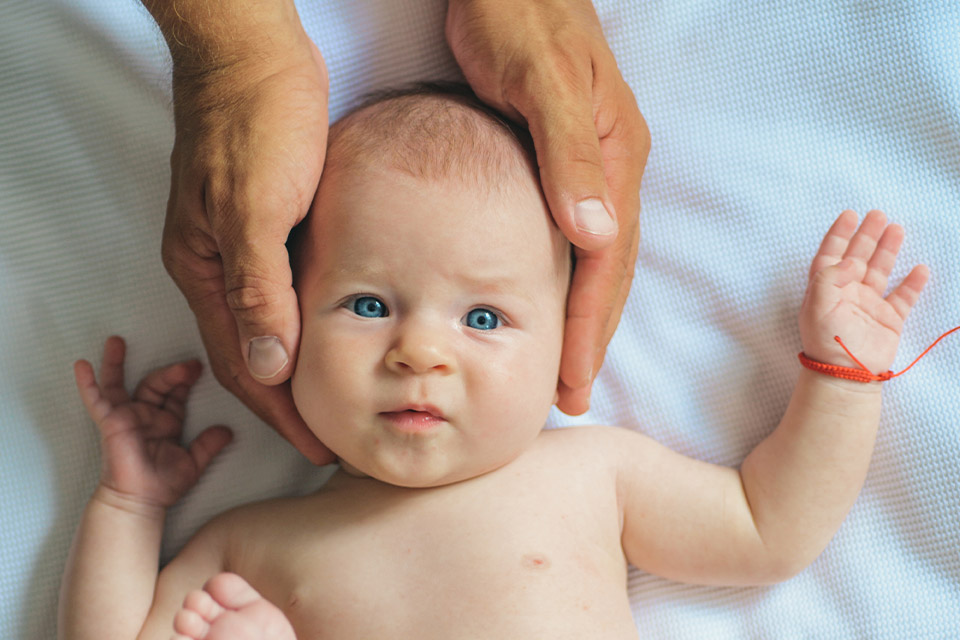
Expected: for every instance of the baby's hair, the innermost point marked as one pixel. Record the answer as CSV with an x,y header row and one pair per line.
x,y
421,130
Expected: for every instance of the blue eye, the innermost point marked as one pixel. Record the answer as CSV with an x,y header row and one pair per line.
x,y
483,319
369,307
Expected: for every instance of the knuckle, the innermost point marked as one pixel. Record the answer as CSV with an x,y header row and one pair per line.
x,y
241,209
254,299
175,255
222,199
248,297
170,255
182,246
640,135
548,85
581,158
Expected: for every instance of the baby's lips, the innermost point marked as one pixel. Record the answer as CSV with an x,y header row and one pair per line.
x,y
420,408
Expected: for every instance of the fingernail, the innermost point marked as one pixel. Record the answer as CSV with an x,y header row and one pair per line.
x,y
592,217
266,356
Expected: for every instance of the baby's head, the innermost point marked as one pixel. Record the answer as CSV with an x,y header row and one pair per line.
x,y
432,284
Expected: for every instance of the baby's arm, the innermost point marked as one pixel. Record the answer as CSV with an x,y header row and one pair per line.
x,y
109,583
696,522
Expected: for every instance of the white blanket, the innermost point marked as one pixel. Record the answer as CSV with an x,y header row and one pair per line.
x,y
768,119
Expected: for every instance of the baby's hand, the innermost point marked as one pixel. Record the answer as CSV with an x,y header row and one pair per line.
x,y
142,457
844,296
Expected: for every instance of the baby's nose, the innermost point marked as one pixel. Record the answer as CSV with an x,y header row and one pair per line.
x,y
420,348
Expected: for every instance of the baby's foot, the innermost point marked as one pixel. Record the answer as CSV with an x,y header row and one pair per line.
x,y
230,609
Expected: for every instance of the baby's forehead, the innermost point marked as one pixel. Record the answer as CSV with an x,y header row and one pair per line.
x,y
381,200
380,220
513,198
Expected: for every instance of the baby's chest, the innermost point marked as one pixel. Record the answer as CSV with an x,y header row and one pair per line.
x,y
450,571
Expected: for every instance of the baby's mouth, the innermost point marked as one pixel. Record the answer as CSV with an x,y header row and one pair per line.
x,y
414,419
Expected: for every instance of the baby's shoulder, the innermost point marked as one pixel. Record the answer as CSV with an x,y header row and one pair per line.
x,y
589,448
261,517
596,440
595,447
566,440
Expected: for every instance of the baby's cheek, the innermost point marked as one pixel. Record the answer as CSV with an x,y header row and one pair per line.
x,y
520,394
319,381
302,383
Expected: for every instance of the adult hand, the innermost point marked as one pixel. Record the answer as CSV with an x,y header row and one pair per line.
x,y
250,108
547,64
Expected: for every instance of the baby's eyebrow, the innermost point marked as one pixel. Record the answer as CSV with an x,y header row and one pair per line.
x,y
359,269
355,270
492,284
496,285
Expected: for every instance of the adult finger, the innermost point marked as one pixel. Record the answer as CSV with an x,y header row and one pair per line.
x,y
259,294
571,164
601,283
602,279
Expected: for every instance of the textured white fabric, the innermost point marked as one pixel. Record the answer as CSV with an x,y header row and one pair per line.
x,y
768,119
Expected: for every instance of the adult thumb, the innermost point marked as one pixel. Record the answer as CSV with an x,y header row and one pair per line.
x,y
259,292
571,172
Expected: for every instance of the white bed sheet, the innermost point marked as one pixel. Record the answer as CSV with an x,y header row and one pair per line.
x,y
767,120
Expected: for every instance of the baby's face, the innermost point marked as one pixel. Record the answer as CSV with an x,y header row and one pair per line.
x,y
432,322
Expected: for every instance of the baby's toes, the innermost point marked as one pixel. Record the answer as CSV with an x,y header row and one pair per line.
x,y
198,611
230,591
190,624
204,604
247,614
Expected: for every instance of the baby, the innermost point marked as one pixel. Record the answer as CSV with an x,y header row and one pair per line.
x,y
432,286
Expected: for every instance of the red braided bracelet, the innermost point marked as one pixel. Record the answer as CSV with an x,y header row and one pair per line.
x,y
862,374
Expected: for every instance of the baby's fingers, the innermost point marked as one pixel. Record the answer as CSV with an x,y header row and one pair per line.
x,y
864,241
111,370
906,294
835,243
208,444
167,388
97,406
884,258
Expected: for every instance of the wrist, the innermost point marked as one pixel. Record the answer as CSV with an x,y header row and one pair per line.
x,y
828,364
834,385
120,502
209,37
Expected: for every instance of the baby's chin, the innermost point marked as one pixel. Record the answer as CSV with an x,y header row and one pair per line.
x,y
351,470
421,479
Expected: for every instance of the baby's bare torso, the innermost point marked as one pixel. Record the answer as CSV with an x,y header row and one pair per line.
x,y
531,550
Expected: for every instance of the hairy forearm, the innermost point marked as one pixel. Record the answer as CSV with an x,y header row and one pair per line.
x,y
111,573
802,480
205,36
